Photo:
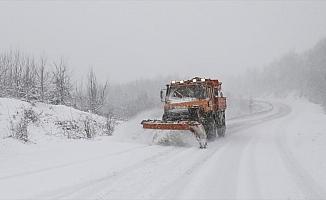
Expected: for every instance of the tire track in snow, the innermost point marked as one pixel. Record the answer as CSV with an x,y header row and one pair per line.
x,y
253,169
184,179
283,111
171,191
269,106
141,187
37,171
103,181
302,178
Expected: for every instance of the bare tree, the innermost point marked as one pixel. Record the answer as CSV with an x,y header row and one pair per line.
x,y
29,90
96,93
24,77
42,78
62,85
79,97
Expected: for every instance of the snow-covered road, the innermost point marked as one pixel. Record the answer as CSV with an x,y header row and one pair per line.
x,y
266,155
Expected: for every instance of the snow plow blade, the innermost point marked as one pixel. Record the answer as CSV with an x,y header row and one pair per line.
x,y
158,124
193,126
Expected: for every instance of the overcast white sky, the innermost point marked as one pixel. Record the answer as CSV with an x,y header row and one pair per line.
x,y
135,39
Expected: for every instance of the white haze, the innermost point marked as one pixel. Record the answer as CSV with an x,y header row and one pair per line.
x,y
131,40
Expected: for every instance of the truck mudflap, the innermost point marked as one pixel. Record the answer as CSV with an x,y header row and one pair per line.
x,y
195,127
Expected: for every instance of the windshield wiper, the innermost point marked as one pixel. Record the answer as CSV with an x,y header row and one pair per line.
x,y
181,96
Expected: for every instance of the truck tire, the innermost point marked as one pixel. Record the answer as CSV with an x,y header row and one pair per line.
x,y
210,127
221,131
221,124
211,131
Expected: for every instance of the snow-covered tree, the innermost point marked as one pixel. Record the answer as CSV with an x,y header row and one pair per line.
x,y
96,93
61,86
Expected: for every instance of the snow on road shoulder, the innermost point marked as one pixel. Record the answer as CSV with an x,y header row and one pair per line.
x,y
305,140
53,124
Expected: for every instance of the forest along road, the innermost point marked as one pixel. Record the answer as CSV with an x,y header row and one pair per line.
x,y
250,162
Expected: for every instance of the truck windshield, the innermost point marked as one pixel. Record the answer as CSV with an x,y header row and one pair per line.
x,y
187,93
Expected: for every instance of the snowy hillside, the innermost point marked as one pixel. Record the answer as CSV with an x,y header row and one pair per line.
x,y
43,121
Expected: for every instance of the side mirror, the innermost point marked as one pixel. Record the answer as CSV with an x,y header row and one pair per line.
x,y
162,95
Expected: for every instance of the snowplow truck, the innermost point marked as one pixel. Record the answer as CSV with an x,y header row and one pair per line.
x,y
197,105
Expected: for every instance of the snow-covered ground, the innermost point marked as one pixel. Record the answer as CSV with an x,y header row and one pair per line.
x,y
276,153
49,121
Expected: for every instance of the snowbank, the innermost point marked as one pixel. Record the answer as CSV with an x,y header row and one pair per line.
x,y
45,121
304,140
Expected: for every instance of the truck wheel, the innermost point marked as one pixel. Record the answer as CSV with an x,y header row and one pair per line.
x,y
211,130
221,131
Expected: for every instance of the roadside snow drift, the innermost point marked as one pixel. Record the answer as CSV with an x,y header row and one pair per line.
x,y
35,123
